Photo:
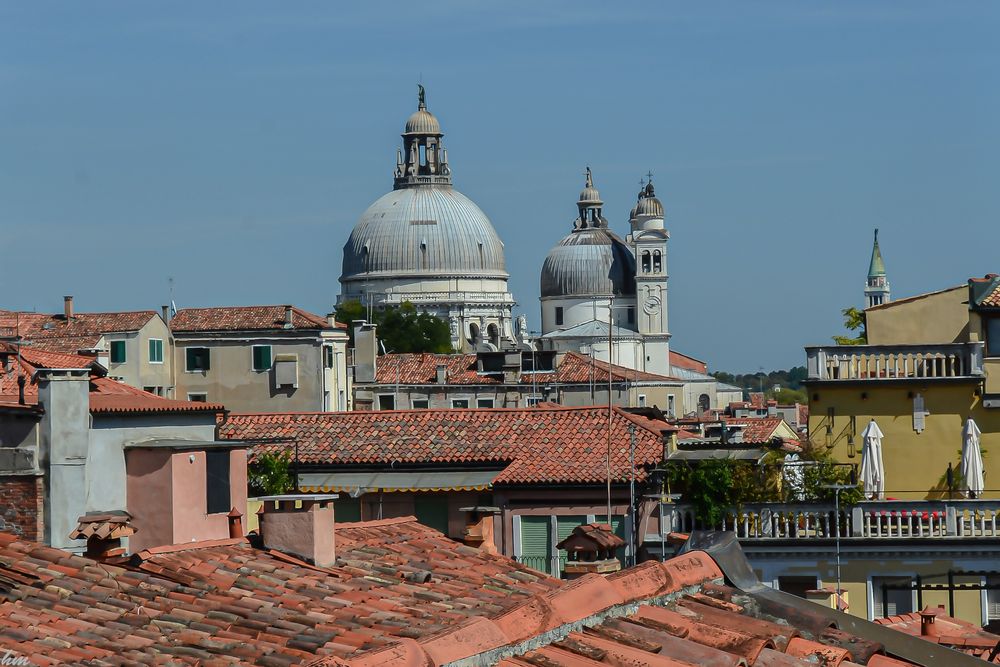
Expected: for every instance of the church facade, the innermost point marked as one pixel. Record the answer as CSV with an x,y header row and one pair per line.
x,y
607,297
428,244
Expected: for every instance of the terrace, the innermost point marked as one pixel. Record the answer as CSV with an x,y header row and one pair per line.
x,y
894,362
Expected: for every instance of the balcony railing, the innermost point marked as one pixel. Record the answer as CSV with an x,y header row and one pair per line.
x,y
894,362
892,520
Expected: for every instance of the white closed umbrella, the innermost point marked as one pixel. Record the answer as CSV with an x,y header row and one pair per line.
x,y
872,469
972,461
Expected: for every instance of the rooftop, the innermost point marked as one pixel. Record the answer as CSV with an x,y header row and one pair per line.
x,y
82,330
247,318
538,445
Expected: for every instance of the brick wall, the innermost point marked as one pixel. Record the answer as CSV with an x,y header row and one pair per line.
x,y
22,506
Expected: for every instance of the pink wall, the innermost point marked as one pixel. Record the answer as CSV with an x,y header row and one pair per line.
x,y
149,494
167,496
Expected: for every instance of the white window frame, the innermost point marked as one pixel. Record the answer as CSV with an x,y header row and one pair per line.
x,y
191,396
160,341
532,401
887,575
641,400
466,400
413,402
378,402
492,401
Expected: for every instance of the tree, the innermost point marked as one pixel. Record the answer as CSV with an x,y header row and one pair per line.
x,y
854,320
269,473
401,329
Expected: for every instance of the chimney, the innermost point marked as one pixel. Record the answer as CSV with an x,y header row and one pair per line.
x,y
365,352
165,313
305,531
331,320
928,617
64,443
235,523
68,307
104,532
441,374
288,317
478,532
591,550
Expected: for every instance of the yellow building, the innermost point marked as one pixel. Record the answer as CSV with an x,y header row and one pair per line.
x,y
928,367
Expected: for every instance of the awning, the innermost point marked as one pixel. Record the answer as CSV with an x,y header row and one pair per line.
x,y
706,454
453,480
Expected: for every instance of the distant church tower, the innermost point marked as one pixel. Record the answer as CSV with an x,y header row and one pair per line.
x,y
877,287
648,237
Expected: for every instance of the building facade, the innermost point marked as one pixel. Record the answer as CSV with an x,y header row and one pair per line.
x,y
428,244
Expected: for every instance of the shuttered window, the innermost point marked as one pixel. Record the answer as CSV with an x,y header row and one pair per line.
x,y
432,511
993,599
536,547
896,601
262,357
118,352
197,359
155,351
565,525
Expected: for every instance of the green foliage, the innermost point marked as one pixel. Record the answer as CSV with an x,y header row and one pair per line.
x,y
854,320
786,396
790,379
401,329
270,474
817,478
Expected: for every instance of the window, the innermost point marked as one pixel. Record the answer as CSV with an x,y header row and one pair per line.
x,y
895,600
993,337
484,402
536,542
327,356
459,402
155,351
149,390
118,352
559,316
261,357
196,359
532,401
386,402
631,315
671,406
657,262
420,403
642,400
993,598
797,586
198,398
217,481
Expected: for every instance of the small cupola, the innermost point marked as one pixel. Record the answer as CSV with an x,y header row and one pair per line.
x,y
104,532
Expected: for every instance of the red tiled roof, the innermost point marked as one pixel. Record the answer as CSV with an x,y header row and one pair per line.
x,y
756,429
31,359
83,330
109,396
690,363
992,299
245,318
537,445
950,631
573,368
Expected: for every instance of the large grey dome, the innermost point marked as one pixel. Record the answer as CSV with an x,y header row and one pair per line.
x,y
589,262
428,230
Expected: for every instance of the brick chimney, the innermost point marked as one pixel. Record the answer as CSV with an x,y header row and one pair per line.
x,y
478,532
441,374
68,307
300,525
288,317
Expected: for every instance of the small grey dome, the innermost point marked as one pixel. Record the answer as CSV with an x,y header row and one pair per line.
x,y
428,230
648,206
591,261
422,122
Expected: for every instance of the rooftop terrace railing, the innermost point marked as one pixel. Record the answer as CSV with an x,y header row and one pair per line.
x,y
883,520
894,362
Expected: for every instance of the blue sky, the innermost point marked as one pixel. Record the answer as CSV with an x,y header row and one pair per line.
x,y
232,146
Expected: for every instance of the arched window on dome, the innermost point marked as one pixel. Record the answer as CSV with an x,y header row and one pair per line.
x,y
366,259
423,254
657,262
482,256
474,335
494,333
645,261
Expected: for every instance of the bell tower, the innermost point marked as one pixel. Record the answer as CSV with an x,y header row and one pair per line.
x,y
648,238
877,285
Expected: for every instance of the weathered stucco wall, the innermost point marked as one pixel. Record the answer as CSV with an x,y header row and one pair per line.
x,y
939,317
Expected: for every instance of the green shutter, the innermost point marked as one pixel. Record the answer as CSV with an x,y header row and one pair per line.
x,y
535,543
261,357
347,509
432,511
618,528
117,351
565,527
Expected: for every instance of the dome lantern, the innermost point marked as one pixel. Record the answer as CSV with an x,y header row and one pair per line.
x,y
423,159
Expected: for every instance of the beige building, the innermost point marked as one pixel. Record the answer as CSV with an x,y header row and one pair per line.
x,y
134,346
261,358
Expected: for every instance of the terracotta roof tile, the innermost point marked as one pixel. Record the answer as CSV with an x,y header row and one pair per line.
x,y
689,363
532,445
245,318
57,334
